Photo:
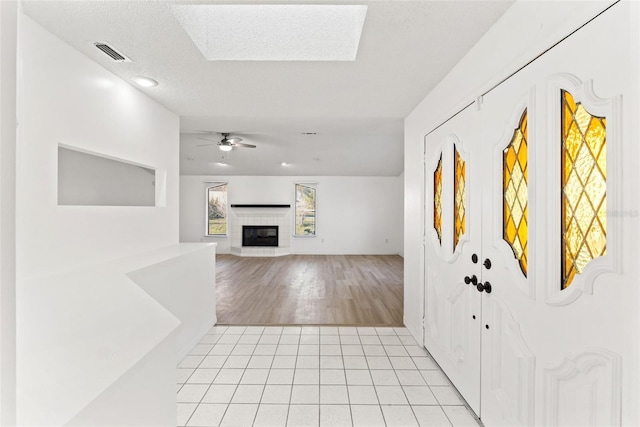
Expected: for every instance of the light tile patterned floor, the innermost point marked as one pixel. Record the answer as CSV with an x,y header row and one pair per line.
x,y
314,376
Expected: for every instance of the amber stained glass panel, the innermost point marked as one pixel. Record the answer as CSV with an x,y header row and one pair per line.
x,y
584,185
515,186
459,201
437,199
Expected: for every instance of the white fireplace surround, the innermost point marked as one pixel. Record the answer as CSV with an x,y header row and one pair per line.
x,y
260,216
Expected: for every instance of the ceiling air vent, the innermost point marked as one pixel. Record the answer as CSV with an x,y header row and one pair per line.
x,y
113,54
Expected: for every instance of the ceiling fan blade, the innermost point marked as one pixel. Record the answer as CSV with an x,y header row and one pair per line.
x,y
207,139
204,145
240,144
234,140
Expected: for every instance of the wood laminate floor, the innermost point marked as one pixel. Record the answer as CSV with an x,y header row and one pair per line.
x,y
310,290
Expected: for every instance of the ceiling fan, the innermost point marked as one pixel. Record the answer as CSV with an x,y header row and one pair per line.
x,y
227,144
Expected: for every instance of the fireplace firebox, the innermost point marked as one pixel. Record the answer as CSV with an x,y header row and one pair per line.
x,y
260,235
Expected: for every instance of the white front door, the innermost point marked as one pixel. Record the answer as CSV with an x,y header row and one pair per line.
x,y
554,169
558,345
452,323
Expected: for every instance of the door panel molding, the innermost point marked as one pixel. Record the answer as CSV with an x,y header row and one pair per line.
x,y
431,316
611,262
459,144
457,347
437,243
526,285
438,246
445,249
586,386
512,374
449,320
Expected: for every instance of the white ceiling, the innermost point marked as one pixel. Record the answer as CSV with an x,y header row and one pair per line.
x,y
355,107
274,32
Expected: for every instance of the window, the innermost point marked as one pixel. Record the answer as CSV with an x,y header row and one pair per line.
x,y
460,197
584,188
217,210
305,210
515,207
437,199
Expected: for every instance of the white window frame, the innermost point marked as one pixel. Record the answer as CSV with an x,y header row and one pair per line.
x,y
210,186
313,186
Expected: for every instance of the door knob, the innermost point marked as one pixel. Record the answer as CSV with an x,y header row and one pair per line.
x,y
486,287
487,263
473,279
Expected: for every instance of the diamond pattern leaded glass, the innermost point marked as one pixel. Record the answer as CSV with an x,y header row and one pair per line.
x,y
515,208
459,209
584,185
437,199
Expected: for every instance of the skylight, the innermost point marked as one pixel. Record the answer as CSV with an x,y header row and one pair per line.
x,y
274,32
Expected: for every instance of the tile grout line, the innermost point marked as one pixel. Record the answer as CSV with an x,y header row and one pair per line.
x,y
404,344
394,372
431,390
221,368
211,384
421,376
319,372
293,381
434,395
198,367
344,372
265,381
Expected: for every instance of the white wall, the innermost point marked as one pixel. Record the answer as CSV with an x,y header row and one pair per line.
x,y
68,99
526,30
147,381
8,33
88,338
356,215
184,285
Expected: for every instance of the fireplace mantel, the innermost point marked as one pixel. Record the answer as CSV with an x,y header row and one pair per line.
x,y
260,215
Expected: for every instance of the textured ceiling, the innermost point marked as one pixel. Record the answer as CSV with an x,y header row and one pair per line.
x,y
355,107
273,32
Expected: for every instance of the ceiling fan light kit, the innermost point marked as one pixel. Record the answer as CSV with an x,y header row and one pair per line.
x,y
227,144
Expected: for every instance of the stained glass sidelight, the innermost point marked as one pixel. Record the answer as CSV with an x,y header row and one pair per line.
x,y
459,201
515,183
584,175
437,199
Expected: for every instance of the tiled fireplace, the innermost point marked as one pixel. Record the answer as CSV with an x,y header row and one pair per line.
x,y
260,215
